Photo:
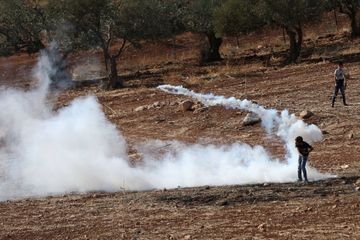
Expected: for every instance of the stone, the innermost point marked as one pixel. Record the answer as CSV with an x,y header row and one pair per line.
x,y
186,105
357,182
262,227
306,114
351,135
251,119
200,110
344,166
139,109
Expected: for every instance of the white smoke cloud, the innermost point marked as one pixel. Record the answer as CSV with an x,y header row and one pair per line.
x,y
76,149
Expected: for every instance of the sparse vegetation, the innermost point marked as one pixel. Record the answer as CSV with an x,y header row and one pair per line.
x,y
325,209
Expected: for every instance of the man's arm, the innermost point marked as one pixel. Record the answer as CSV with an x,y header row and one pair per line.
x,y
310,148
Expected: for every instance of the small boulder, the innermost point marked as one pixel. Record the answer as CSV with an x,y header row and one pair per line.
x,y
139,109
344,166
262,227
173,103
351,135
202,109
186,105
357,183
251,119
306,114
156,104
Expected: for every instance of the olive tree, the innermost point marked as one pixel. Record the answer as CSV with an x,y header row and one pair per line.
x,y
351,9
291,15
113,25
200,19
21,23
237,17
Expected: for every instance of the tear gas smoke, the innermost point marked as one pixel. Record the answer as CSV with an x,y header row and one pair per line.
x,y
76,149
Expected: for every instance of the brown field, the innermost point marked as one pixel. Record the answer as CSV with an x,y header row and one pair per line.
x,y
328,209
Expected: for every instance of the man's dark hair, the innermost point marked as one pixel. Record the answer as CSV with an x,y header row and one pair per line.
x,y
299,139
340,63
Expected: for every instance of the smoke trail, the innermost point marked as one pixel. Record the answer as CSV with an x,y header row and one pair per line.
x,y
76,149
287,125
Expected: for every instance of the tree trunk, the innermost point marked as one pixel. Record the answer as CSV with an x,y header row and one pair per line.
x,y
110,61
114,80
355,30
296,39
213,53
351,9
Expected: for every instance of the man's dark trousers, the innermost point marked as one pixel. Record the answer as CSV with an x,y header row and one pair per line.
x,y
302,167
339,87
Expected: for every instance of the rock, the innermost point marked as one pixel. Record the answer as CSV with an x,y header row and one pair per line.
x,y
223,203
351,135
261,227
324,132
358,182
200,110
136,156
139,109
251,119
186,105
344,166
187,237
357,189
160,119
198,105
306,114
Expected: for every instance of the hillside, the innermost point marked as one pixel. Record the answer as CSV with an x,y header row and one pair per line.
x,y
326,209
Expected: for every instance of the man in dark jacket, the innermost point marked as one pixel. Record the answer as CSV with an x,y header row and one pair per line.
x,y
304,149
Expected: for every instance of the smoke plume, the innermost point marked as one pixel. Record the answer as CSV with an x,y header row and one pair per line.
x,y
76,149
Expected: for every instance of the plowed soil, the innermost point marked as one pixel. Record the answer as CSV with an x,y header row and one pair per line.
x,y
328,209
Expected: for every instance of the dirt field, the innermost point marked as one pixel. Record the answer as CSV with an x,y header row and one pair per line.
x,y
326,209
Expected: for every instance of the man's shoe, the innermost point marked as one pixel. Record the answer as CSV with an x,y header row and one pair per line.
x,y
306,181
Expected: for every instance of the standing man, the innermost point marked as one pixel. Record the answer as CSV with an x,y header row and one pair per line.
x,y
340,83
304,149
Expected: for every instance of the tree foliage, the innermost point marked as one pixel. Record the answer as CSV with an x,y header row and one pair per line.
x,y
112,25
21,23
351,9
291,15
199,18
237,17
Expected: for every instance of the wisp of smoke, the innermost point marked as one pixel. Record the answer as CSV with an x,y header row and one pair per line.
x,y
76,149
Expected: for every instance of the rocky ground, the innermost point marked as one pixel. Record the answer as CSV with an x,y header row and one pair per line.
x,y
327,209
320,210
